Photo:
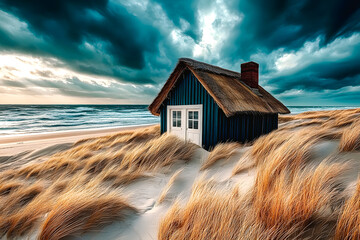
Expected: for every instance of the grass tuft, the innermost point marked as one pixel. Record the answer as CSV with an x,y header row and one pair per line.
x,y
28,193
349,221
80,211
220,151
350,139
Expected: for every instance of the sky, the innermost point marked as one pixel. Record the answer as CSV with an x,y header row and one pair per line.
x,y
122,52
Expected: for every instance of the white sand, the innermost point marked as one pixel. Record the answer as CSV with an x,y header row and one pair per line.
x,y
10,145
144,193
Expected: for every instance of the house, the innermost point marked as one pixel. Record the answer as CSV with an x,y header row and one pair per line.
x,y
207,104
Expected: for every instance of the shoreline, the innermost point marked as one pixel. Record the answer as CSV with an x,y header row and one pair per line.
x,y
15,144
66,133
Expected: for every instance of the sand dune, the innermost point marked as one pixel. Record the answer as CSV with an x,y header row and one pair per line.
x,y
297,182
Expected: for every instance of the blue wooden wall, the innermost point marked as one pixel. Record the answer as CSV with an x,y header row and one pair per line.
x,y
216,126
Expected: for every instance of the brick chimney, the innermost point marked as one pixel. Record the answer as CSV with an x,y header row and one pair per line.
x,y
250,74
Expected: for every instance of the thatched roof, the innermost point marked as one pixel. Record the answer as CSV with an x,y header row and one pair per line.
x,y
225,86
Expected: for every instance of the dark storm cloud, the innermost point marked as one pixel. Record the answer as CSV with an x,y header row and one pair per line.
x,y
268,25
12,83
182,10
135,44
67,25
322,74
70,87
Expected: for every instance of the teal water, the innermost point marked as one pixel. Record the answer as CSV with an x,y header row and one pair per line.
x,y
25,119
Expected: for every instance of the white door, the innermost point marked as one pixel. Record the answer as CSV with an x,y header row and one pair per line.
x,y
185,121
193,133
177,122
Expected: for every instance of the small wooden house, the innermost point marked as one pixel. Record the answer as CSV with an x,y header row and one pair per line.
x,y
207,104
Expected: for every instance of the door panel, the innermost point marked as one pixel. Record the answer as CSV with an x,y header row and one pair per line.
x,y
177,123
185,121
193,132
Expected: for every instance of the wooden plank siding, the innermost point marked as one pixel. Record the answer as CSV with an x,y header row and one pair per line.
x,y
216,126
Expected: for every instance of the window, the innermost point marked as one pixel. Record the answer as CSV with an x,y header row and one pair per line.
x,y
176,118
193,119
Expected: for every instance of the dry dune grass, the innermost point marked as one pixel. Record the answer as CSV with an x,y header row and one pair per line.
x,y
348,225
220,151
78,190
323,125
80,211
303,123
289,208
291,201
330,114
333,120
9,187
211,213
350,139
166,189
291,198
47,193
289,149
129,157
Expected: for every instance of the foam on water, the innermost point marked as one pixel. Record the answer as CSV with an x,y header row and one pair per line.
x,y
27,119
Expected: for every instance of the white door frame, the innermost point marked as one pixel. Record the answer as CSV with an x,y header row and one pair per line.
x,y
184,109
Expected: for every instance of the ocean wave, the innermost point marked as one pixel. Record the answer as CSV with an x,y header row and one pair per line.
x,y
22,119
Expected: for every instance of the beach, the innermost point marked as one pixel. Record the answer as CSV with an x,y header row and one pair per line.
x,y
133,183
14,144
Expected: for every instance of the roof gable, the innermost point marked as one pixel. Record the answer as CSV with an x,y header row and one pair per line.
x,y
225,87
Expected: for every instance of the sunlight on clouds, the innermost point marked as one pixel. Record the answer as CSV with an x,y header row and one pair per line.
x,y
291,93
287,61
21,67
215,25
12,24
55,99
17,30
313,52
134,5
180,40
27,79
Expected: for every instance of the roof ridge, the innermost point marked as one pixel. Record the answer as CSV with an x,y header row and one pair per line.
x,y
226,88
209,67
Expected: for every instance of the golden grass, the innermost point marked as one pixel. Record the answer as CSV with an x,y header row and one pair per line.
x,y
9,187
295,144
304,123
29,193
292,201
146,155
21,197
333,124
78,190
348,225
289,208
350,139
288,149
288,195
329,114
291,197
244,163
210,213
326,120
166,189
220,151
22,209
80,211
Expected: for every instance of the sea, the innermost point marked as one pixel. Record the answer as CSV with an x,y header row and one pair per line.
x,y
33,119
